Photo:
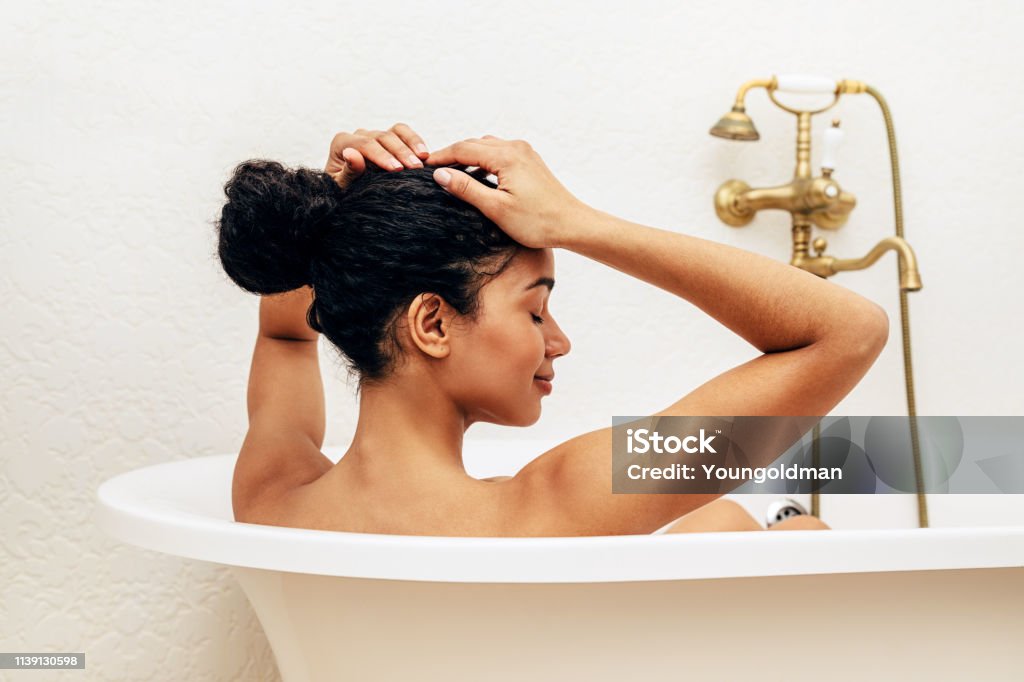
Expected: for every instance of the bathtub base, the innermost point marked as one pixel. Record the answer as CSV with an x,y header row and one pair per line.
x,y
936,625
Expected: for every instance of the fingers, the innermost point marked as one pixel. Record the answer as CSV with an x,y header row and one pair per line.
x,y
402,147
369,146
394,149
353,165
490,201
398,149
414,141
490,155
353,160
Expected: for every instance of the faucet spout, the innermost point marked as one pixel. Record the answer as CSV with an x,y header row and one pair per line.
x,y
910,277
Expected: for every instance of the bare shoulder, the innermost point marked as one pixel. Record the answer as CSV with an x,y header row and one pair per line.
x,y
567,491
299,505
272,463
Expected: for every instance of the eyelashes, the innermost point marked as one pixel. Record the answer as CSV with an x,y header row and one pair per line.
x,y
537,318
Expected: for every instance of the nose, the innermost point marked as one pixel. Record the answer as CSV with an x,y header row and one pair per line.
x,y
557,343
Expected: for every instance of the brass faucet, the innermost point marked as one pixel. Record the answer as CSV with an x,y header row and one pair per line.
x,y
826,266
810,200
822,202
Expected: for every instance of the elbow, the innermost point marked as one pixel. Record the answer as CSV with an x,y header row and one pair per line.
x,y
870,333
861,335
881,329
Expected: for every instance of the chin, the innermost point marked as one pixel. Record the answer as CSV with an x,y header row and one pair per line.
x,y
536,416
524,418
525,412
531,422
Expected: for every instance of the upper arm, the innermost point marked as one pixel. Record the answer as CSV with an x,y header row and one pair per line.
x,y
285,387
568,489
805,381
286,422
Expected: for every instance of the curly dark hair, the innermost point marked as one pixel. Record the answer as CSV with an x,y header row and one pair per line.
x,y
367,250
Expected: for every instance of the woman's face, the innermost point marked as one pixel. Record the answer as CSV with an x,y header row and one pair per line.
x,y
494,362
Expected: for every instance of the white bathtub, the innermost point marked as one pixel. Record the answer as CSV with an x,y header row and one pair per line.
x,y
875,598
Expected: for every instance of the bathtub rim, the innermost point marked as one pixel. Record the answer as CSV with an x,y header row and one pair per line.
x,y
128,511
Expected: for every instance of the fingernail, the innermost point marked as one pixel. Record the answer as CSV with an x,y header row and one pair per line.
x,y
421,148
442,176
396,164
413,161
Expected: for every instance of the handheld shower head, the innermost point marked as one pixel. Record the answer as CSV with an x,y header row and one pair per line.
x,y
735,125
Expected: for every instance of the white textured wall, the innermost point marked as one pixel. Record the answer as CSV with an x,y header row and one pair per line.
x,y
124,344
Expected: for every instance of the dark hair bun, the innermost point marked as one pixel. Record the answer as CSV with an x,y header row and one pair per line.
x,y
271,222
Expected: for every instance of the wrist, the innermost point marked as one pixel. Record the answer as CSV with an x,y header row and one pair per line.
x,y
574,222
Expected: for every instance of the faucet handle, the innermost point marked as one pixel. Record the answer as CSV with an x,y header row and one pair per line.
x,y
830,148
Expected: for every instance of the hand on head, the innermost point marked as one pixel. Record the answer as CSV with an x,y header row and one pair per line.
x,y
530,204
393,149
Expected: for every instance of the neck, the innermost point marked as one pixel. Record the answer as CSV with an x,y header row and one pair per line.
x,y
409,434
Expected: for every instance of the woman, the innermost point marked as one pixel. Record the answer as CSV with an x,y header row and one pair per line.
x,y
434,284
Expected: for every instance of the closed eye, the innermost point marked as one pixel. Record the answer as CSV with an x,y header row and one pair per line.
x,y
537,318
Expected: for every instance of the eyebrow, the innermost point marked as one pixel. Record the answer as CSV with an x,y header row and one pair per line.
x,y
546,281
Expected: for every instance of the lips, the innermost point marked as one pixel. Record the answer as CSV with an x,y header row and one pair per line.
x,y
544,383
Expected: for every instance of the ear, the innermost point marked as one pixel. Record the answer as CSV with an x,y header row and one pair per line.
x,y
429,319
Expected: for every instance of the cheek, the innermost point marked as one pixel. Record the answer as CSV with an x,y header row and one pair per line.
x,y
529,345
512,351
497,376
